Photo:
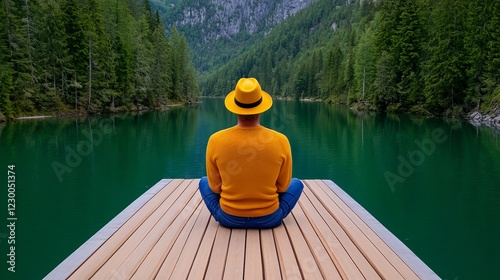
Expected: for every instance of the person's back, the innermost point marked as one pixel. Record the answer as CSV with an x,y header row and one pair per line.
x,y
256,164
249,167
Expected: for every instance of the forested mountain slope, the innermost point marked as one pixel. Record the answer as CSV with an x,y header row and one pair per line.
x,y
219,30
432,57
71,56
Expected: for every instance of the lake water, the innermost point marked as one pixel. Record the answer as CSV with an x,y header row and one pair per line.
x,y
434,183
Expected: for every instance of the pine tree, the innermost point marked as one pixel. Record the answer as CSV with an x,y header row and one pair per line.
x,y
399,46
183,73
50,53
385,92
148,14
492,72
100,71
445,68
6,107
475,44
161,76
408,50
349,72
364,66
76,49
333,75
142,63
20,57
387,61
87,55
300,86
28,26
123,72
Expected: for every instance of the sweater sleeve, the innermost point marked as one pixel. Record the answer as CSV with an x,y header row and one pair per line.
x,y
285,175
213,173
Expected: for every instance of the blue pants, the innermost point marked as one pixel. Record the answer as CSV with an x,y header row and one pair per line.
x,y
287,201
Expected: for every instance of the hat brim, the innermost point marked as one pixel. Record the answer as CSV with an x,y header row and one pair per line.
x,y
267,102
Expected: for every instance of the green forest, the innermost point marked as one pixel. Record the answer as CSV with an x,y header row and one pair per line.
x,y
89,56
419,56
92,56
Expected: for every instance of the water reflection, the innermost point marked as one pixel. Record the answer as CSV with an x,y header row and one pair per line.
x,y
443,205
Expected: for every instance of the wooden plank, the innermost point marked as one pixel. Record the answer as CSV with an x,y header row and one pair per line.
x,y
307,263
202,258
215,269
199,234
172,258
173,234
144,238
374,226
78,257
270,260
321,256
235,255
348,260
336,207
253,256
87,269
169,234
388,253
287,259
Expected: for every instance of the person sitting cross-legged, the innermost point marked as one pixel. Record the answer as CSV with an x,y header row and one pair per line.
x,y
249,180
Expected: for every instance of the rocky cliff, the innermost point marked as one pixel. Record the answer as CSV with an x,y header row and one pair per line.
x,y
219,30
216,19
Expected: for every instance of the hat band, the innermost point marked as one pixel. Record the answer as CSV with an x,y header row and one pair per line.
x,y
248,106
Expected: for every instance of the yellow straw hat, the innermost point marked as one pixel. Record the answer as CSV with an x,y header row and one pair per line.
x,y
248,98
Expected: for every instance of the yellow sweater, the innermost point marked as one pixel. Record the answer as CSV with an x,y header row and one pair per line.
x,y
249,166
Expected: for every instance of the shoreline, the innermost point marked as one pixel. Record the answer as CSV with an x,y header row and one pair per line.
x,y
64,114
477,118
33,117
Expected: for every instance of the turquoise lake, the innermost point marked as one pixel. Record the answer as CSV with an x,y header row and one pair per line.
x,y
433,182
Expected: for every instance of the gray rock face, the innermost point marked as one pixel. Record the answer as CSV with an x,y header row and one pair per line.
x,y
226,18
491,118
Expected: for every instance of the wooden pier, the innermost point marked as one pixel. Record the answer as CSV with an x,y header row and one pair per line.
x,y
168,233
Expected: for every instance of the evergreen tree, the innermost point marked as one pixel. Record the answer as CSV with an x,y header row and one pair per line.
x,y
142,63
475,44
100,70
364,67
300,87
349,72
28,26
76,49
49,55
6,70
161,75
408,49
445,68
492,72
183,73
123,73
385,92
87,56
332,82
20,57
152,21
398,41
